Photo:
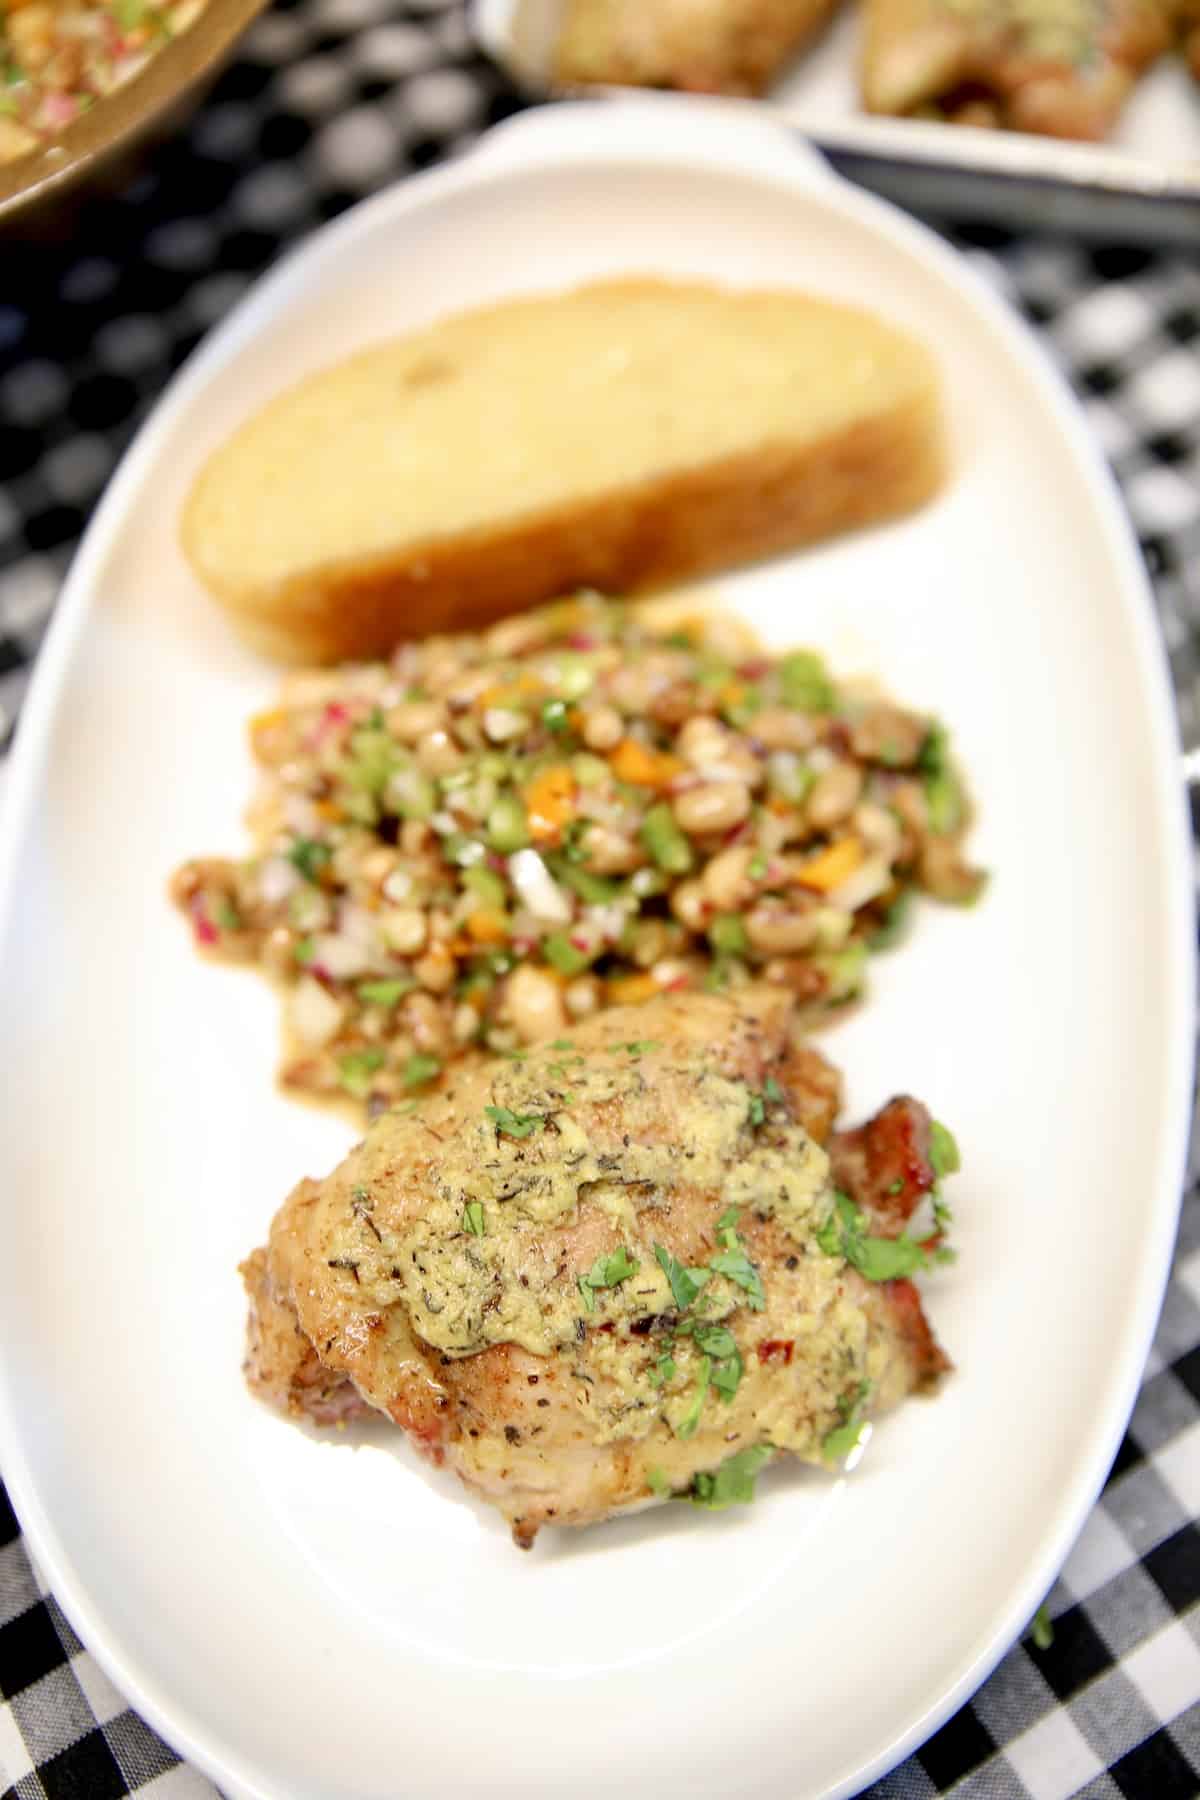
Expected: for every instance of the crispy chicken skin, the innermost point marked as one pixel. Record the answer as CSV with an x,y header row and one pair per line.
x,y
584,1278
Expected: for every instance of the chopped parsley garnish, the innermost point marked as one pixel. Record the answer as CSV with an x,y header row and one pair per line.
x,y
727,1228
944,801
385,993
356,1068
687,1425
663,1370
733,1483
420,1069
472,1219
574,847
772,1095
727,935
1040,1628
837,1444
893,924
736,1266
305,951
804,682
358,1194
756,868
564,955
897,1186
512,1124
606,1272
943,1151
310,856
658,1484
844,1234
635,1047
228,916
554,715
561,1044
685,1283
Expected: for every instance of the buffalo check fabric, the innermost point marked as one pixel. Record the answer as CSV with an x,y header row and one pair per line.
x,y
328,100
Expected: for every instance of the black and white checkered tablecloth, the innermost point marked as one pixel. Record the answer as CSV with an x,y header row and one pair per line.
x,y
330,99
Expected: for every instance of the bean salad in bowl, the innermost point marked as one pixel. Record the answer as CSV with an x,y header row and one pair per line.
x,y
486,838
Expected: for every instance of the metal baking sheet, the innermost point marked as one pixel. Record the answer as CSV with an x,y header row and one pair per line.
x,y
1141,186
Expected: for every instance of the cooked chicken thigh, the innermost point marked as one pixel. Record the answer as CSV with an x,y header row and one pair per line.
x,y
604,1272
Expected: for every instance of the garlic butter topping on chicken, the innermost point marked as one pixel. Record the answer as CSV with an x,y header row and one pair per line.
x,y
632,1263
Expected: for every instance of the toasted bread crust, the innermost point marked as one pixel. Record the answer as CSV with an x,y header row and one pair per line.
x,y
679,525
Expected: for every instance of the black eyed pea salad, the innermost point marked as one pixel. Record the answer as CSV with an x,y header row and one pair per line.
x,y
485,838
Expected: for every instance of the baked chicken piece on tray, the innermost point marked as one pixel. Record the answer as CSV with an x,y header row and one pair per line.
x,y
630,1264
705,46
1062,68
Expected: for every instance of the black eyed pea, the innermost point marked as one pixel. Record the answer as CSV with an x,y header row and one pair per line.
x,y
713,806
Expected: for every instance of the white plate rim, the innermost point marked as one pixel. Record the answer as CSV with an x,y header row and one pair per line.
x,y
584,132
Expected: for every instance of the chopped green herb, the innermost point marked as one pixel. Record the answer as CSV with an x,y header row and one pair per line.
x,y
420,1069
561,1044
385,993
358,1194
463,851
804,682
373,758
894,923
943,1150
636,1047
758,1111
575,835
897,1186
663,1370
565,956
944,799
554,715
664,840
943,1217
727,935
506,826
727,1235
611,1271
685,1284
756,868
1040,1629
658,1484
740,710
687,1425
130,13
356,1068
772,1091
726,1374
733,1483
411,793
934,752
472,1219
594,890
486,886
228,916
736,1266
878,1258
837,1444
310,856
516,1125
305,951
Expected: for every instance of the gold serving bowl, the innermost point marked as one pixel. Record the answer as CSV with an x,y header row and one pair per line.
x,y
100,146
